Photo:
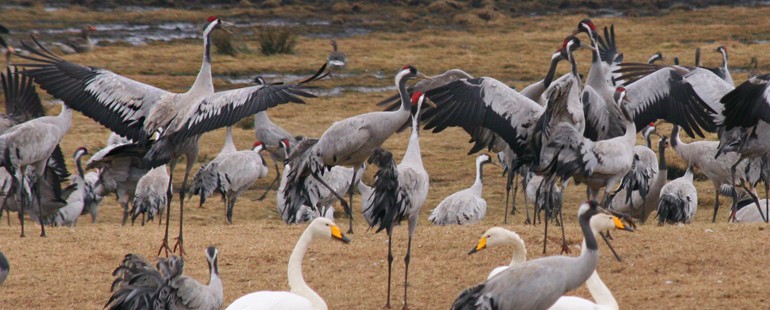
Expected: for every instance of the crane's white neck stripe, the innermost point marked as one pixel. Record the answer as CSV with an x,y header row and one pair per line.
x,y
400,75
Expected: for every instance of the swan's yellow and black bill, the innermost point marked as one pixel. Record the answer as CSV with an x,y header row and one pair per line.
x,y
620,225
480,246
337,234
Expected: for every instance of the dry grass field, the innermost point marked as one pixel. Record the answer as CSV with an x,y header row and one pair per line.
x,y
702,265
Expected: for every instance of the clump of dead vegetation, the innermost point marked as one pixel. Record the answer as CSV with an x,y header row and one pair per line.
x,y
275,40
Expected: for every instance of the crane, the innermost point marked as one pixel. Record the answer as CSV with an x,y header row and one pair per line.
x,y
636,206
538,284
150,197
348,142
678,200
399,193
237,172
163,125
206,180
74,194
117,174
138,285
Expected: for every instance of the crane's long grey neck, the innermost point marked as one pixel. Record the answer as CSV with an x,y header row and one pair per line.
x,y
296,280
203,81
585,264
229,136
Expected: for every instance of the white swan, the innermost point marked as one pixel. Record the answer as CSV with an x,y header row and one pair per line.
x,y
496,236
301,296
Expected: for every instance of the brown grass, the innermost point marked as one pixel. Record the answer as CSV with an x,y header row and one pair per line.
x,y
701,265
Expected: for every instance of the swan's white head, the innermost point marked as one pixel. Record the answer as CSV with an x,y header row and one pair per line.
x,y
495,236
325,228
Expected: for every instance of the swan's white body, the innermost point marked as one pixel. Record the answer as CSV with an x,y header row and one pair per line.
x,y
301,296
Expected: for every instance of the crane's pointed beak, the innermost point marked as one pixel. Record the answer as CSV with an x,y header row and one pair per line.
x,y
226,26
422,75
429,103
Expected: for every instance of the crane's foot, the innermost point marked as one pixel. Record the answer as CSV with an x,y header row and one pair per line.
x,y
180,245
405,307
564,248
387,306
528,221
608,236
164,247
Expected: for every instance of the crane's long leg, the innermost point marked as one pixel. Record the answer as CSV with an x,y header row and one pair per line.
x,y
756,201
277,177
349,209
123,200
515,191
390,264
164,246
734,207
716,206
564,246
230,209
8,213
407,258
19,181
508,184
524,183
187,169
609,245
344,203
39,206
767,202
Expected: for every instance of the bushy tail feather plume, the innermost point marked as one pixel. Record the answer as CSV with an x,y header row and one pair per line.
x,y
387,196
671,209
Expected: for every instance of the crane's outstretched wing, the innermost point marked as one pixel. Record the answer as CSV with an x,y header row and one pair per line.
x,y
225,108
748,103
21,99
661,92
481,105
117,102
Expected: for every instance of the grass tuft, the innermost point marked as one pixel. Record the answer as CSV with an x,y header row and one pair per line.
x,y
274,40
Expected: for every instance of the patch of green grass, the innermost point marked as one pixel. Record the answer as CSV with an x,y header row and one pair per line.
x,y
275,40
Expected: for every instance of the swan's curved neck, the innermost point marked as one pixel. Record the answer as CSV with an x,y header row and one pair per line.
x,y
296,281
519,250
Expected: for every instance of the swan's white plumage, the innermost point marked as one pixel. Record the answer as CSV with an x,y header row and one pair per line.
x,y
270,300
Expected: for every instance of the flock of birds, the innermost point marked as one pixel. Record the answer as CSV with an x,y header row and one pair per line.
x,y
555,131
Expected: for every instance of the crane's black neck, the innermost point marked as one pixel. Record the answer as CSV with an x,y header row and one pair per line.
x,y
406,102
647,139
662,156
574,65
480,171
585,225
79,166
214,267
697,57
551,72
675,136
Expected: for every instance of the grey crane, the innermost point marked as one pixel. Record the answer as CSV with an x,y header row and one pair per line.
x,y
337,60
637,182
30,144
117,174
74,194
150,196
636,206
138,285
744,128
206,180
678,200
538,284
399,193
237,172
466,206
701,156
604,120
724,72
81,44
164,125
94,194
497,236
348,142
5,268
271,135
